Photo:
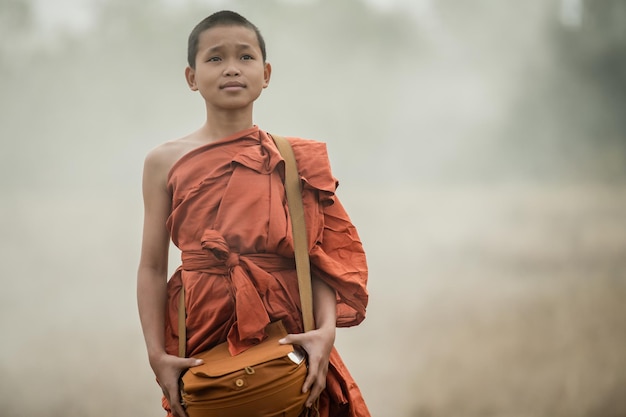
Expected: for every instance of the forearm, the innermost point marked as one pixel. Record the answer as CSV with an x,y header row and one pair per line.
x,y
151,302
324,305
319,342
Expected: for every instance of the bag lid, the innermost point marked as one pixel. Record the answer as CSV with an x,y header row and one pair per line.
x,y
218,360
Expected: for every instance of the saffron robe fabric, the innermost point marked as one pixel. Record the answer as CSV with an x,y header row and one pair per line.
x,y
230,220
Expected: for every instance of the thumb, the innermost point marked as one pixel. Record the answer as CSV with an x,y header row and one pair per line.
x,y
293,339
190,362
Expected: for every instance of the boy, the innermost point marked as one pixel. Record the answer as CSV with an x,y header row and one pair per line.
x,y
221,186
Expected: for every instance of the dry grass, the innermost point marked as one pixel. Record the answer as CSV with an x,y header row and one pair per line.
x,y
485,301
495,301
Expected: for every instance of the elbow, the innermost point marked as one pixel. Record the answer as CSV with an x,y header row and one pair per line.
x,y
151,273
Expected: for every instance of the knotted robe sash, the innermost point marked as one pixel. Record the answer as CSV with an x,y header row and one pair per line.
x,y
250,277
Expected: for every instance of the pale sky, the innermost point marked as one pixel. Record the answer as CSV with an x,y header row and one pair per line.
x,y
77,15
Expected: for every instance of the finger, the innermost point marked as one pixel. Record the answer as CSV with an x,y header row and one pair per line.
x,y
315,393
175,405
191,362
172,394
178,410
316,389
310,376
294,339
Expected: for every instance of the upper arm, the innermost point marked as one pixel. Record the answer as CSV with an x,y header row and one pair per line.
x,y
157,206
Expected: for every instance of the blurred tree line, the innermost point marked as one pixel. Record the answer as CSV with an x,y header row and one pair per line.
x,y
78,107
570,121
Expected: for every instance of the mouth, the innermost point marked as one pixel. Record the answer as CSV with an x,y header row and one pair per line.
x,y
232,84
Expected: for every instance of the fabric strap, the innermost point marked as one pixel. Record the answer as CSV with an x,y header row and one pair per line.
x,y
300,243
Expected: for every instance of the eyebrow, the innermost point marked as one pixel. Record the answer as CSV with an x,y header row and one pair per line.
x,y
218,48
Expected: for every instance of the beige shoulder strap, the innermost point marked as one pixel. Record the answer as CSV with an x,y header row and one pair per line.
x,y
182,326
301,246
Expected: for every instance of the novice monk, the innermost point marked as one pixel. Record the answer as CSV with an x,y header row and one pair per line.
x,y
220,190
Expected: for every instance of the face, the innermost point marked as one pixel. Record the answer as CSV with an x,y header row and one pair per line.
x,y
230,73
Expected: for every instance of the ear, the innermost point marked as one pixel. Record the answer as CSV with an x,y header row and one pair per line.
x,y
190,76
267,73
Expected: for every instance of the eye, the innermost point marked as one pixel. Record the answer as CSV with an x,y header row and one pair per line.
x,y
214,59
246,57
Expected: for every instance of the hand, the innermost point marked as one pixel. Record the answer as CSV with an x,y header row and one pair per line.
x,y
168,369
318,345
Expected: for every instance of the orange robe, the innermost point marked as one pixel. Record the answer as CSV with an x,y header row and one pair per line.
x,y
230,220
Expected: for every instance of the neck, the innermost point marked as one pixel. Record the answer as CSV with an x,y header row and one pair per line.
x,y
224,123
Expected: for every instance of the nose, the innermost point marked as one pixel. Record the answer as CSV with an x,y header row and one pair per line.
x,y
231,70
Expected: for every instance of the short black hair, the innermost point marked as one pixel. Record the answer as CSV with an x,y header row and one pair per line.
x,y
222,18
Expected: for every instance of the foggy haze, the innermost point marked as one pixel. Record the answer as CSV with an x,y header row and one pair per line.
x,y
481,150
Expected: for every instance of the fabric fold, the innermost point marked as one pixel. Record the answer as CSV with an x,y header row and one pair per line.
x,y
229,218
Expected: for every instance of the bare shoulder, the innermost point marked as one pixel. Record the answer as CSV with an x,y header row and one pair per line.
x,y
160,159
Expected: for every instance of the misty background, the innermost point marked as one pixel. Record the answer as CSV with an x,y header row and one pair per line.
x,y
481,151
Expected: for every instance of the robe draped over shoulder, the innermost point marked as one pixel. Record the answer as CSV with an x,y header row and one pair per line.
x,y
229,218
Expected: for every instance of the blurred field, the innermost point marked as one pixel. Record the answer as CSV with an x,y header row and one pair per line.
x,y
495,300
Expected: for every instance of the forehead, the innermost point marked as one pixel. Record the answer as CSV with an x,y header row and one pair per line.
x,y
227,35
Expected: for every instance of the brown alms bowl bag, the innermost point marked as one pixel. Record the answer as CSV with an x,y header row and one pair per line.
x,y
264,380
